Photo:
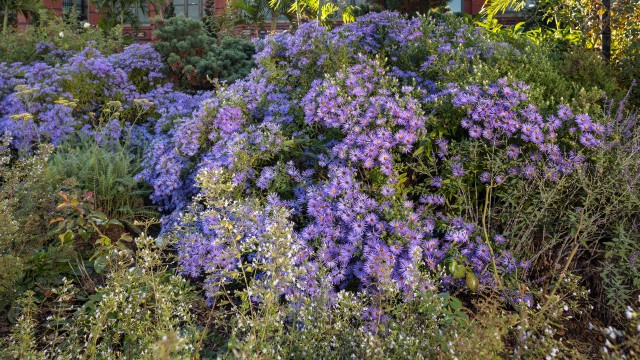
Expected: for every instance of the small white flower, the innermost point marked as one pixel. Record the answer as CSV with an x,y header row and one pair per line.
x,y
629,313
86,25
61,34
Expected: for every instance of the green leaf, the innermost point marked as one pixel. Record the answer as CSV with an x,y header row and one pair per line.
x,y
455,303
103,241
67,236
100,265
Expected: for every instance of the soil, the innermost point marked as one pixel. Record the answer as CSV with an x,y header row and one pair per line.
x,y
578,336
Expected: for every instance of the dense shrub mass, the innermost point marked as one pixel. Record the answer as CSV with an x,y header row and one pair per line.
x,y
194,58
333,203
383,145
53,37
89,93
95,109
397,148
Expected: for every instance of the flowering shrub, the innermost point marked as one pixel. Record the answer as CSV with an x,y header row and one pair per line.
x,y
53,38
102,96
389,141
143,310
368,172
99,112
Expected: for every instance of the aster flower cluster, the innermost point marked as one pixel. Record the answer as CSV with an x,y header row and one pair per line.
x,y
352,147
545,145
367,152
41,102
219,132
242,240
382,32
336,151
139,58
359,103
166,162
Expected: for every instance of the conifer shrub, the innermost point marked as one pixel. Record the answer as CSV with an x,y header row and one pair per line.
x,y
194,59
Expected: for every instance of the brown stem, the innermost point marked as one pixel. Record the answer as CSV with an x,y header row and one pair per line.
x,y
576,246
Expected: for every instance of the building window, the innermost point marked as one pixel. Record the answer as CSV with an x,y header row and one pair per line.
x,y
281,17
80,7
455,6
188,8
141,15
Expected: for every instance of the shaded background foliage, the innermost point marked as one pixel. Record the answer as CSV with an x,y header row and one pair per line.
x,y
409,7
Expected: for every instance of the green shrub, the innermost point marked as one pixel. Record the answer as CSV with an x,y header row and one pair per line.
x,y
26,45
22,343
563,226
194,58
107,170
25,200
82,223
348,326
10,269
32,257
586,69
143,311
620,270
554,62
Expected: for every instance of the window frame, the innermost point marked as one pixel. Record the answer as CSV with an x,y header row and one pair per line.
x,y
81,6
460,2
185,8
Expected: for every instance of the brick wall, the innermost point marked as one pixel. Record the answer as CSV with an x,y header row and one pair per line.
x,y
472,7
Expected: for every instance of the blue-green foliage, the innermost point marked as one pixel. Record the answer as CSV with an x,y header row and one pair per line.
x,y
194,59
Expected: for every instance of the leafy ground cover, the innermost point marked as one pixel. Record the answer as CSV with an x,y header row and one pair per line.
x,y
391,188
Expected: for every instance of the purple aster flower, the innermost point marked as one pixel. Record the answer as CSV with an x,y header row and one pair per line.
x,y
588,140
387,190
583,121
436,181
475,132
513,151
457,169
564,112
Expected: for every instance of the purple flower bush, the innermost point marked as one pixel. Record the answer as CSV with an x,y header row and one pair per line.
x,y
44,102
382,149
349,196
387,140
